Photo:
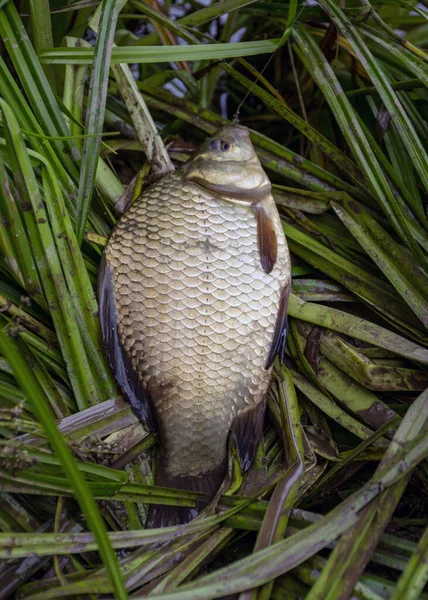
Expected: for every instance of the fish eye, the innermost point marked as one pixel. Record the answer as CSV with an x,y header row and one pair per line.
x,y
218,145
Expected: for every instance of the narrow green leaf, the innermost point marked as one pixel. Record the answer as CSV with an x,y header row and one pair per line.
x,y
42,33
74,87
352,130
96,109
356,327
415,576
149,54
35,84
49,265
373,376
252,571
143,122
12,94
370,288
353,552
331,408
284,496
405,59
199,17
39,402
387,254
414,146
14,243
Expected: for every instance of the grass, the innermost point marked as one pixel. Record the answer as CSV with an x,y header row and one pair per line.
x,y
93,94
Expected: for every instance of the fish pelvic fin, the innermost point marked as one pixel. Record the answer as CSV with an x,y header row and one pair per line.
x,y
246,433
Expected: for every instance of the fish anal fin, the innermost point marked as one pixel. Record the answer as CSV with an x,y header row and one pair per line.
x,y
266,237
280,333
132,386
246,432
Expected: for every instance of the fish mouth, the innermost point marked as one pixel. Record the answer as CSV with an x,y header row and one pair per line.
x,y
231,163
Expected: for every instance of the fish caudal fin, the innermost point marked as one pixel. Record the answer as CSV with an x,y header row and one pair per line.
x,y
208,484
168,516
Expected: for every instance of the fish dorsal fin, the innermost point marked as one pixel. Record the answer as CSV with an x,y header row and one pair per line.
x,y
246,432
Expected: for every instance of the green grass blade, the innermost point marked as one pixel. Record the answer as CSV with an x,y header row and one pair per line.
x,y
415,576
372,289
343,569
14,242
39,402
387,254
285,555
284,496
347,119
44,545
363,369
35,84
406,60
78,283
96,109
331,408
42,33
149,54
199,17
356,327
28,120
414,146
143,121
74,87
49,266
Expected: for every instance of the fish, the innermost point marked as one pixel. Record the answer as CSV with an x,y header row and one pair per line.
x,y
193,290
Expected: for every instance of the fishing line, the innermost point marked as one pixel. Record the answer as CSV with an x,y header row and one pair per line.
x,y
281,43
235,119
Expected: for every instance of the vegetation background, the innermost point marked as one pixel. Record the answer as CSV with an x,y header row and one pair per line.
x,y
339,120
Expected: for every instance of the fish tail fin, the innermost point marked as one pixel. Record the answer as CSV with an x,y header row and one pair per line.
x,y
208,483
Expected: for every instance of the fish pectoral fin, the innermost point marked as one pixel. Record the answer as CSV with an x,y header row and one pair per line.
x,y
132,387
246,432
277,347
266,237
124,202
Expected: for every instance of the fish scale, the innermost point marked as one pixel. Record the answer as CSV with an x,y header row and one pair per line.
x,y
195,313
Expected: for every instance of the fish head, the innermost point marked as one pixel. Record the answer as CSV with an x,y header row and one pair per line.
x,y
227,164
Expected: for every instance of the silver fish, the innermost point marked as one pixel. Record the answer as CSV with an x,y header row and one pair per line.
x,y
193,295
